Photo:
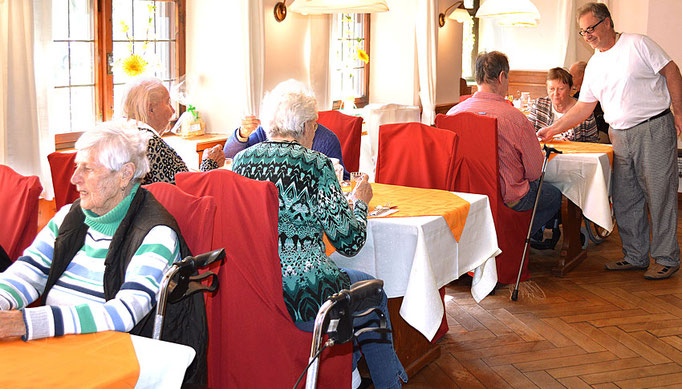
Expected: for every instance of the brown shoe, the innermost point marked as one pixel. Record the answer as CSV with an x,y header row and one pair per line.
x,y
623,265
660,272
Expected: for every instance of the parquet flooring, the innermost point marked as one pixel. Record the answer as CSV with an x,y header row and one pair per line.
x,y
591,329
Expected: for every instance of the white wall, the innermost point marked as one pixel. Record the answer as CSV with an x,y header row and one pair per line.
x,y
295,48
533,48
664,26
213,66
449,66
393,63
630,15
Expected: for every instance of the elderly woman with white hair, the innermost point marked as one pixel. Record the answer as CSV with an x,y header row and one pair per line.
x,y
148,103
98,263
311,205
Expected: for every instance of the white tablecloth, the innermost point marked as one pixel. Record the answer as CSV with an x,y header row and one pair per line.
x,y
162,364
585,179
416,256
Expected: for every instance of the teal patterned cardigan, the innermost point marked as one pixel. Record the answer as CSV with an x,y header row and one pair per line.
x,y
310,203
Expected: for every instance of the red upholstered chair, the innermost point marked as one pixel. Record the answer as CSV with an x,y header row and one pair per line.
x,y
349,131
417,155
19,210
252,340
62,166
479,173
195,215
421,156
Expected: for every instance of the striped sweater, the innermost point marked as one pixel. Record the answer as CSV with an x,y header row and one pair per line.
x,y
76,303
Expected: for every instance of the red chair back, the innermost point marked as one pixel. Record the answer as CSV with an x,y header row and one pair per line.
x,y
417,155
19,209
349,131
479,173
62,166
195,215
252,340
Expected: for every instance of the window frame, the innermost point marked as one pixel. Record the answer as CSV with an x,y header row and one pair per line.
x,y
103,57
363,100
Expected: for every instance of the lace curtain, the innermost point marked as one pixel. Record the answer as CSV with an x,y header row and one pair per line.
x,y
25,140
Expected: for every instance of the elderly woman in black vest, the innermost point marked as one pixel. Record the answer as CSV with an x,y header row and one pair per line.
x,y
98,263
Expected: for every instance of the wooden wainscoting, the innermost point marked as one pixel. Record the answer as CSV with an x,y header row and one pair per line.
x,y
528,81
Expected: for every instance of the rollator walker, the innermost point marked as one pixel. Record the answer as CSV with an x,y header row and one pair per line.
x,y
335,319
182,280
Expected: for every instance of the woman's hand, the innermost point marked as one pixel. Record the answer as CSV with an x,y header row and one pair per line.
x,y
363,190
12,325
249,125
215,153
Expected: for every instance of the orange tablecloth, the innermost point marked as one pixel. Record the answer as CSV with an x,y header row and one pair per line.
x,y
581,147
104,359
419,202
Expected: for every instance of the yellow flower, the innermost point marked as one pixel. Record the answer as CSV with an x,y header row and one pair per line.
x,y
134,65
362,55
124,27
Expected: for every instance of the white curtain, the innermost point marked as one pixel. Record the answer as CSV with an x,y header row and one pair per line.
x,y
565,24
24,143
254,54
427,46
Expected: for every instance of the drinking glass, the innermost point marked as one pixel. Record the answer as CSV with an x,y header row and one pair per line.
x,y
355,177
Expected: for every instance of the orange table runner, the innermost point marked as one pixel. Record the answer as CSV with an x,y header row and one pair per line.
x,y
419,202
581,147
104,359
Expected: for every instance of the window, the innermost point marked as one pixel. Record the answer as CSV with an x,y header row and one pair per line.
x,y
95,41
470,41
349,58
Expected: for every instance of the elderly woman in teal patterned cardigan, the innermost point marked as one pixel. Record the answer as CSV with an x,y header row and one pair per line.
x,y
311,204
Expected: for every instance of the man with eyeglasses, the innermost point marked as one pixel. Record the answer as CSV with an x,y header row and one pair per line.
x,y
636,82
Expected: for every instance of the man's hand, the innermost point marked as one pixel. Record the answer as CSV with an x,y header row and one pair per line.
x,y
678,123
249,125
546,134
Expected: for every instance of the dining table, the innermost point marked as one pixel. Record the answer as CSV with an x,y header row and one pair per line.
x,y
582,172
426,239
102,359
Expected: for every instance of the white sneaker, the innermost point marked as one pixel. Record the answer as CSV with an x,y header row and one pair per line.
x,y
355,383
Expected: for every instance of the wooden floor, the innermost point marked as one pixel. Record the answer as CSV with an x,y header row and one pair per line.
x,y
592,328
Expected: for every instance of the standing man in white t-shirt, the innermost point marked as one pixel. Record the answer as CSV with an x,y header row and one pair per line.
x,y
635,81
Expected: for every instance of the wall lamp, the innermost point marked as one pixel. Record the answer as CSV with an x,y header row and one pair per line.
x,y
460,14
280,11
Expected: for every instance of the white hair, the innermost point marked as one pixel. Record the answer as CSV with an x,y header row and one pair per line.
x,y
138,94
287,108
116,143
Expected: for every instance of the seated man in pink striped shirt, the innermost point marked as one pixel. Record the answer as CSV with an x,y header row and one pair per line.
x,y
519,152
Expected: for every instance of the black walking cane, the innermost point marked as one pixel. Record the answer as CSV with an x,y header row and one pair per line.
x,y
548,151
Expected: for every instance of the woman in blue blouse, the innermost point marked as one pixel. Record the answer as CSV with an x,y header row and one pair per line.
x,y
311,204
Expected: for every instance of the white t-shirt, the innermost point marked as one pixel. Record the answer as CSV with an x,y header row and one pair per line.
x,y
625,80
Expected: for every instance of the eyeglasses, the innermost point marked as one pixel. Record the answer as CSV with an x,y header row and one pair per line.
x,y
590,29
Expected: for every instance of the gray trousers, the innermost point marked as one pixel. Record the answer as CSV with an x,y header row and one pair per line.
x,y
645,173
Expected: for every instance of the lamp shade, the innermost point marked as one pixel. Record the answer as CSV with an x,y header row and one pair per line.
x,y
510,12
461,15
317,7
